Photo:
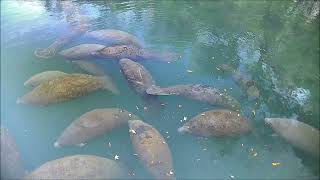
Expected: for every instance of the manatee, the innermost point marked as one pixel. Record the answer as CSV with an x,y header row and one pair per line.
x,y
90,67
11,161
82,51
139,79
217,123
300,135
197,92
65,88
37,79
79,167
92,124
245,81
113,37
60,42
133,53
152,150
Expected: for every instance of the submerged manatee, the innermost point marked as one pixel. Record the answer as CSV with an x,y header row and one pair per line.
x,y
79,167
298,134
153,151
60,42
37,79
67,87
11,162
82,51
217,123
197,92
113,36
133,53
90,67
92,124
245,81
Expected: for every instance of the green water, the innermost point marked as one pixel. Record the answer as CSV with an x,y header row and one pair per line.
x,y
274,40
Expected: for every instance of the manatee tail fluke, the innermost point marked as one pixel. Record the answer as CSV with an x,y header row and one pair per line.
x,y
156,90
109,85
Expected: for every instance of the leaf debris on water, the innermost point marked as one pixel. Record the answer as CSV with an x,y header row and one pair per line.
x,y
109,144
189,71
275,164
184,118
180,106
116,157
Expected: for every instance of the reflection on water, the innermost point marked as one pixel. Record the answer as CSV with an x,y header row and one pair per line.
x,y
275,45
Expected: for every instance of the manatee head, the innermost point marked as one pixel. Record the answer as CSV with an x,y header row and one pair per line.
x,y
186,128
278,124
134,124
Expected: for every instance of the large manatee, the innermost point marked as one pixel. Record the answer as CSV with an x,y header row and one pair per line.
x,y
133,53
139,79
60,42
197,92
37,79
66,87
92,124
153,151
113,36
298,134
217,123
82,51
79,167
11,162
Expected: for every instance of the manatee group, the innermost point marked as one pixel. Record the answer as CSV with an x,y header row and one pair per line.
x,y
217,123
11,161
152,149
65,88
79,167
298,134
197,92
92,124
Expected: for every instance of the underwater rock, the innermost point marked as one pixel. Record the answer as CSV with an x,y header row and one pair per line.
x,y
298,134
92,124
81,52
65,88
79,167
114,37
152,150
11,162
217,123
198,92
133,53
37,79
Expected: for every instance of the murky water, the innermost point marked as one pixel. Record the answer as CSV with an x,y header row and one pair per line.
x,y
275,42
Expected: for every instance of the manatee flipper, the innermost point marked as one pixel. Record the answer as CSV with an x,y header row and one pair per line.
x,y
156,90
109,85
90,67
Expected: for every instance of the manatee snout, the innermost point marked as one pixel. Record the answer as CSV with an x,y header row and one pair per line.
x,y
57,145
20,101
183,129
268,121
